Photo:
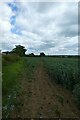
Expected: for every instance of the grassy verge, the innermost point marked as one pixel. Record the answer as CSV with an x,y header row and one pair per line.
x,y
11,84
13,74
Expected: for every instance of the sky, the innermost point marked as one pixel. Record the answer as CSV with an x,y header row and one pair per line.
x,y
49,27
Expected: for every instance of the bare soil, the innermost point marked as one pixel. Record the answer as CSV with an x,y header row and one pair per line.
x,y
40,98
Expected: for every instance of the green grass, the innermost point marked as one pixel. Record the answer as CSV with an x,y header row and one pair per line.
x,y
9,58
30,65
10,75
11,84
13,73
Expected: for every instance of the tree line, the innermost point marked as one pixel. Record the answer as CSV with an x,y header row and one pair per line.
x,y
20,50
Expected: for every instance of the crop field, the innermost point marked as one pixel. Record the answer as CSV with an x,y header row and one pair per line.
x,y
41,87
65,71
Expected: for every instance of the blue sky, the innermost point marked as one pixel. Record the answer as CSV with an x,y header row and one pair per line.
x,y
40,26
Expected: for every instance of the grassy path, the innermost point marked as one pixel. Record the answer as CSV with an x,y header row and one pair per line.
x,y
40,98
35,95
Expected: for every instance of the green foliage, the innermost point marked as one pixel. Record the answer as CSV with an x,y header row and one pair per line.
x,y
20,50
42,54
63,70
31,55
11,84
10,74
76,92
9,58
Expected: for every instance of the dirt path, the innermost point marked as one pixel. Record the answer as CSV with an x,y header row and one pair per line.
x,y
42,99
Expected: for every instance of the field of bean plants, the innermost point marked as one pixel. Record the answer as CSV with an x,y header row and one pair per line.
x,y
65,71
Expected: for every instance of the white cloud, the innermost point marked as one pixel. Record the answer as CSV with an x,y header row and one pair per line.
x,y
40,0
5,26
48,27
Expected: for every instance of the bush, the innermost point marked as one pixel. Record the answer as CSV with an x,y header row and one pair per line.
x,y
3,61
76,93
9,58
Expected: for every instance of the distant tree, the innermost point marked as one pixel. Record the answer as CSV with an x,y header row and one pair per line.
x,y
20,50
31,55
7,52
42,54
